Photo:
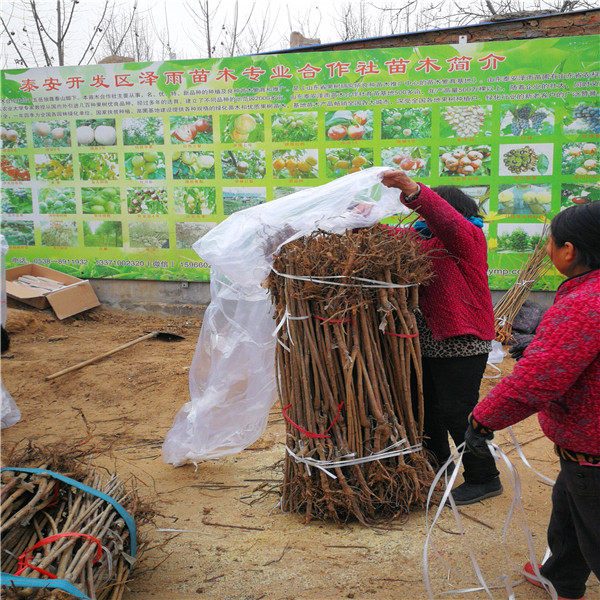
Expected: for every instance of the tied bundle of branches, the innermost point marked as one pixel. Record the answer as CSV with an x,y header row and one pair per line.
x,y
95,553
349,373
511,303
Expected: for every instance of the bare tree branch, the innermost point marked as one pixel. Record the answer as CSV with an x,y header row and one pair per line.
x,y
68,25
41,37
12,41
96,30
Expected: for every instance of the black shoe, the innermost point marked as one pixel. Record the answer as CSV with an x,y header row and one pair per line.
x,y
469,493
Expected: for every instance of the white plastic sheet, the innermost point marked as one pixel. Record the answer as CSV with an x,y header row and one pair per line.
x,y
232,376
9,412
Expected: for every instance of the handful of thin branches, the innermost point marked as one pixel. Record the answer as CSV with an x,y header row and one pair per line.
x,y
511,303
349,371
54,530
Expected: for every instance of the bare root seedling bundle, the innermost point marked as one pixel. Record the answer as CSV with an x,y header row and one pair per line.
x,y
511,303
348,345
37,510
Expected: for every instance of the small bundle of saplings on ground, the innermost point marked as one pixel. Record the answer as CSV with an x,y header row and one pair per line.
x,y
349,373
511,303
38,510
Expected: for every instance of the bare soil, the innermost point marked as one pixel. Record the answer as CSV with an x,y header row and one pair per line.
x,y
236,543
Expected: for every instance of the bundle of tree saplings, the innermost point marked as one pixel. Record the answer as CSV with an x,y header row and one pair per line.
x,y
53,530
511,303
349,374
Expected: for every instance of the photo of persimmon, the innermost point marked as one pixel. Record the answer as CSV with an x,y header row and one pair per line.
x,y
295,164
343,161
349,125
464,161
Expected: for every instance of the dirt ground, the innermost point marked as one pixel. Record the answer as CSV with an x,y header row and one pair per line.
x,y
235,543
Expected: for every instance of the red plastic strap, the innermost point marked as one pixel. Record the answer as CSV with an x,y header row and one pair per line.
x,y
333,320
402,335
309,433
26,556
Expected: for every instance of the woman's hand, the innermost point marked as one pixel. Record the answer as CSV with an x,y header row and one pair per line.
x,y
399,179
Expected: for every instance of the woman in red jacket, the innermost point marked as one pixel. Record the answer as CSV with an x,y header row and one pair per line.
x,y
456,324
559,378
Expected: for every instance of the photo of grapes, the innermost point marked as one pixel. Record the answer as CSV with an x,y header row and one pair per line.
x,y
572,194
525,159
581,159
465,161
466,121
415,160
405,123
526,119
524,199
519,237
583,118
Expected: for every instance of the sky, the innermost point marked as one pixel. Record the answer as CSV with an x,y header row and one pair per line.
x,y
172,16
319,18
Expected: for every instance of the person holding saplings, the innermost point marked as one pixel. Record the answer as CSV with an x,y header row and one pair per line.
x,y
559,378
455,322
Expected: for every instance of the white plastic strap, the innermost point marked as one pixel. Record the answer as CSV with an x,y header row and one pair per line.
x,y
498,374
526,282
516,507
525,461
325,280
348,460
285,320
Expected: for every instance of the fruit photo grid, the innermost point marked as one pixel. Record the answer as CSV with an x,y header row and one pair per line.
x,y
188,156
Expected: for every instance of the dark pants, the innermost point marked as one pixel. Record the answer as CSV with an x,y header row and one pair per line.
x,y
574,530
451,391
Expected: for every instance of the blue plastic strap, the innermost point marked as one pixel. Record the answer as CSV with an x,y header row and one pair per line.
x,y
126,516
50,584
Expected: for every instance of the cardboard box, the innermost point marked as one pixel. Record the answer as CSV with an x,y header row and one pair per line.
x,y
77,296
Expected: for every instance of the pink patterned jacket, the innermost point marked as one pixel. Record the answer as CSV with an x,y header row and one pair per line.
x,y
559,374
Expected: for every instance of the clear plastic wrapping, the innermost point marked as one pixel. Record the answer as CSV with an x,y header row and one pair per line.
x,y
232,376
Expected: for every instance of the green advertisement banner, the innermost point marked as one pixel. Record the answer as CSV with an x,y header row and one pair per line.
x,y
115,170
